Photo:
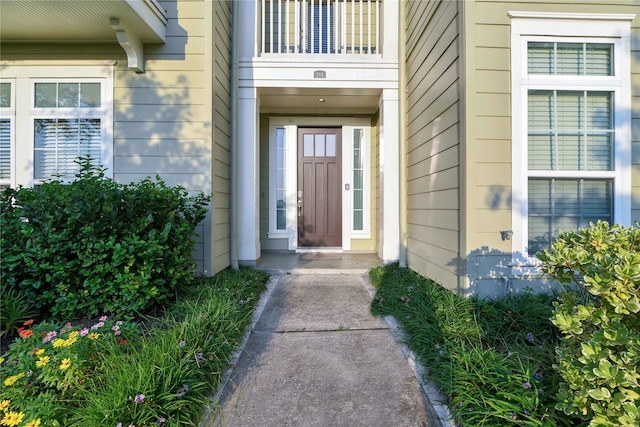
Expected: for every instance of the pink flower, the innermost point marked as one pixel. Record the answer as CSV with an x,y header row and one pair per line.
x,y
49,336
84,332
139,398
103,318
116,333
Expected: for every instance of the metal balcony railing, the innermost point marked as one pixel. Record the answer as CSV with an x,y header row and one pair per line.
x,y
319,27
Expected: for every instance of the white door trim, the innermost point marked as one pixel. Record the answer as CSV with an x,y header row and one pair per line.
x,y
291,124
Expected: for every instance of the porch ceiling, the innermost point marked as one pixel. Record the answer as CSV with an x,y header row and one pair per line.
x,y
306,100
79,21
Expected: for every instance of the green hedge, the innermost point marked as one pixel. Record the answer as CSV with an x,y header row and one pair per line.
x,y
94,246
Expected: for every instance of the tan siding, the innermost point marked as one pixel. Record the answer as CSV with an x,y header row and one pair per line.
x,y
165,118
433,138
488,120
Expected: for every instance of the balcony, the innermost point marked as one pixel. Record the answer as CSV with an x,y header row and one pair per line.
x,y
319,27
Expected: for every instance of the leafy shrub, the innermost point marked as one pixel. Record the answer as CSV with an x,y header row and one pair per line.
x,y
94,245
599,358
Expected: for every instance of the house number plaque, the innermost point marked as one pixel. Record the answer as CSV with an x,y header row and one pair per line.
x,y
319,74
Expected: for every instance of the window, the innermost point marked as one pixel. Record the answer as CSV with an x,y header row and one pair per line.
x,y
50,116
275,31
320,35
67,124
281,173
361,190
281,181
571,119
358,181
7,119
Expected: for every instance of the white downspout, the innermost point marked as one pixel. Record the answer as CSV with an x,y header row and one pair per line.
x,y
402,120
233,157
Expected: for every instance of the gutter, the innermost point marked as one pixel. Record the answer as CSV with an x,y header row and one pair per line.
x,y
402,120
233,157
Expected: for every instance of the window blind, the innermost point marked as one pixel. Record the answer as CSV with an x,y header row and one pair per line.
x,y
577,59
565,204
570,130
59,142
5,151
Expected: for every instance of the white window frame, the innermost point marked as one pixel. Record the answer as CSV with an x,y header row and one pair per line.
x,y
68,113
291,124
25,74
10,113
580,28
365,149
290,165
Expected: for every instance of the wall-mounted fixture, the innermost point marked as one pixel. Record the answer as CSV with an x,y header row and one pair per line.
x,y
506,234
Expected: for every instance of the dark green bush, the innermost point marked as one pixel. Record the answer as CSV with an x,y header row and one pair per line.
x,y
94,246
599,317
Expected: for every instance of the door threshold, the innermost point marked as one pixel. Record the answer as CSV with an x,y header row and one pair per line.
x,y
324,250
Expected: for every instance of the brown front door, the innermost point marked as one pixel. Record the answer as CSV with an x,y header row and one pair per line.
x,y
319,187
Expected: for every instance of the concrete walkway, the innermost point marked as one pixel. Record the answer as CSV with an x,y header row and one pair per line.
x,y
317,357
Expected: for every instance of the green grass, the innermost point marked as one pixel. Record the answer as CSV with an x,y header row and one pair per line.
x,y
163,373
492,359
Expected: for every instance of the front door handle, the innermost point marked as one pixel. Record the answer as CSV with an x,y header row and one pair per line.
x,y
299,207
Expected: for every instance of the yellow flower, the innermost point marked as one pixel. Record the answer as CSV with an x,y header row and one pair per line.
x,y
12,379
39,351
1,360
74,335
58,343
93,336
65,363
43,361
4,405
12,418
33,423
69,342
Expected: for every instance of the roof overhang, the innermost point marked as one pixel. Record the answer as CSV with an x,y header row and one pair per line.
x,y
131,23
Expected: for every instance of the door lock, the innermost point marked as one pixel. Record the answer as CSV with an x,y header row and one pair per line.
x,y
299,207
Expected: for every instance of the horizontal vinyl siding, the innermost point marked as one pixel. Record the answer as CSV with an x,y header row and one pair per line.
x,y
221,229
488,168
433,158
162,118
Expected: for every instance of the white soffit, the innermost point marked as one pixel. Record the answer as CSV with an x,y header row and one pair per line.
x,y
79,21
307,100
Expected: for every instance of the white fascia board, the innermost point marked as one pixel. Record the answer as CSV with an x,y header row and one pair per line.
x,y
152,14
279,76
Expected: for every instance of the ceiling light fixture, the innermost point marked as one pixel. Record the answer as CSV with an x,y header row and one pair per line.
x,y
321,99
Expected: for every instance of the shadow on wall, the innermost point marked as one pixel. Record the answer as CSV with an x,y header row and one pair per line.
x,y
160,125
